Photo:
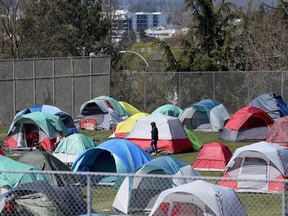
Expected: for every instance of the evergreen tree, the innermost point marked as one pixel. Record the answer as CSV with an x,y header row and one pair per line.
x,y
64,28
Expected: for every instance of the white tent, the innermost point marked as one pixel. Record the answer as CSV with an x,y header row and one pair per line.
x,y
198,198
139,193
172,136
96,109
206,115
258,161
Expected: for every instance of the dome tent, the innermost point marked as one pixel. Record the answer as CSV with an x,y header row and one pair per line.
x,y
205,115
36,126
65,117
124,128
172,136
261,160
115,155
198,198
247,124
272,104
149,188
70,147
168,109
46,161
213,157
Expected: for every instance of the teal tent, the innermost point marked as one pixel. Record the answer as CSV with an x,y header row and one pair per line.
x,y
149,188
10,180
37,126
168,109
70,147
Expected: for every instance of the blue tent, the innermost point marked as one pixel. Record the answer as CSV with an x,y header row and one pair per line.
x,y
148,189
272,104
115,155
65,117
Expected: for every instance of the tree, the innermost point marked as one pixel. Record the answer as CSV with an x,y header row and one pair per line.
x,y
64,28
207,45
11,13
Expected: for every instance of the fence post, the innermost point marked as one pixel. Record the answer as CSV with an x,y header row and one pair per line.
x,y
53,74
282,83
34,82
89,201
213,85
284,198
14,87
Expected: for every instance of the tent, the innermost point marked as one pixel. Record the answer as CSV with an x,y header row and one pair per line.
x,y
115,105
271,103
138,194
9,180
70,147
129,108
115,156
97,110
168,109
278,133
213,157
247,124
38,127
198,198
197,144
47,162
124,128
172,136
205,115
65,117
40,198
258,161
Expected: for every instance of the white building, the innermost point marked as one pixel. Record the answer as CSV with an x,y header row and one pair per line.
x,y
122,19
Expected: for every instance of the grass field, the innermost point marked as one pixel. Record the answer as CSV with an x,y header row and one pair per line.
x,y
255,204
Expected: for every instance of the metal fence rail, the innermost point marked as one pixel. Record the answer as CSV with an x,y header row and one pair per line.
x,y
69,193
149,90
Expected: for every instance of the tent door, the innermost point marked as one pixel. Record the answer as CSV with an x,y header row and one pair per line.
x,y
253,168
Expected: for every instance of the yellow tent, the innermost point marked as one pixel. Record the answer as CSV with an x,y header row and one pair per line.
x,y
126,126
129,108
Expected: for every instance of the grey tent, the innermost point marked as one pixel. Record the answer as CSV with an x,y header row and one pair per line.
x,y
40,198
272,104
45,161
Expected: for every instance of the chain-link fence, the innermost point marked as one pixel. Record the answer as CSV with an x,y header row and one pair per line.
x,y
86,193
150,90
63,82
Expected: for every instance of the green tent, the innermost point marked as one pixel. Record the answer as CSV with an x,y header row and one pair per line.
x,y
168,109
116,105
48,122
197,144
37,126
47,162
10,180
70,147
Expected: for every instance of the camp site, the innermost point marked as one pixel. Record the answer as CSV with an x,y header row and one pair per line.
x,y
144,108
104,164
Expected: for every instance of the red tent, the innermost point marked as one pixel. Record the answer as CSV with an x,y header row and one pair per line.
x,y
247,124
213,157
278,133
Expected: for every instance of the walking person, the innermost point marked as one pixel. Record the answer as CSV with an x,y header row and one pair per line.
x,y
154,138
